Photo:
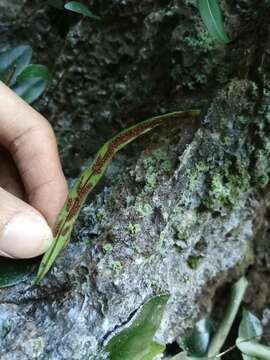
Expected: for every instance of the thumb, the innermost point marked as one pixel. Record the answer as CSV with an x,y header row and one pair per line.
x,y
24,233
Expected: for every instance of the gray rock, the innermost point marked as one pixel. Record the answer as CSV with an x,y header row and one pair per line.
x,y
178,210
192,229
9,10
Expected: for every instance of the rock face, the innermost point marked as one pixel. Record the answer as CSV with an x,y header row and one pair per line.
x,y
180,210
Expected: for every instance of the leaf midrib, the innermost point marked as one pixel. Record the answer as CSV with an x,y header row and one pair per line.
x,y
214,20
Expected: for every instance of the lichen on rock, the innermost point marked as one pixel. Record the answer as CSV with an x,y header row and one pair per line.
x,y
177,211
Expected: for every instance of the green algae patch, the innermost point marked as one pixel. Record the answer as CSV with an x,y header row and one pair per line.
x,y
144,209
226,187
194,261
155,165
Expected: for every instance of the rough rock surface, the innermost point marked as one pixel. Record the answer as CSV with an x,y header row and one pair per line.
x,y
180,210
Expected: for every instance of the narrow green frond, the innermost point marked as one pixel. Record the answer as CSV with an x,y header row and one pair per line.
x,y
89,179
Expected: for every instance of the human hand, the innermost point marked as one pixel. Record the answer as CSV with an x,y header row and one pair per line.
x,y
32,185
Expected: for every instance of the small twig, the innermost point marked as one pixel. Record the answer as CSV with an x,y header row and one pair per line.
x,y
231,348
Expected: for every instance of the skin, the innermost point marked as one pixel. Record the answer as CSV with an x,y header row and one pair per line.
x,y
31,177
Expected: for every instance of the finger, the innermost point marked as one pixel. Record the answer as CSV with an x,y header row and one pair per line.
x,y
30,140
9,175
24,233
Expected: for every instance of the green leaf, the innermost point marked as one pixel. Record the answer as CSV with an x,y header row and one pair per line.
x,y
136,341
212,18
89,179
197,343
250,326
30,90
13,62
35,71
253,349
32,82
80,8
236,297
14,271
251,329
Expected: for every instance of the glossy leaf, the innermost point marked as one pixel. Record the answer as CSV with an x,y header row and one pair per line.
x,y
14,271
236,297
80,8
13,62
89,179
31,89
251,329
136,341
212,17
32,82
35,71
197,343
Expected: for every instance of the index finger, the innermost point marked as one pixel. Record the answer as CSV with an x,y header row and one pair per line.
x,y
31,141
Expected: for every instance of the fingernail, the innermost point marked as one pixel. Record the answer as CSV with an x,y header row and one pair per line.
x,y
25,236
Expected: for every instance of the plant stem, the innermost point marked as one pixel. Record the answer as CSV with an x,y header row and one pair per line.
x,y
238,292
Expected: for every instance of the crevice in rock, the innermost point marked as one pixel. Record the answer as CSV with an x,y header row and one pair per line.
x,y
119,326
